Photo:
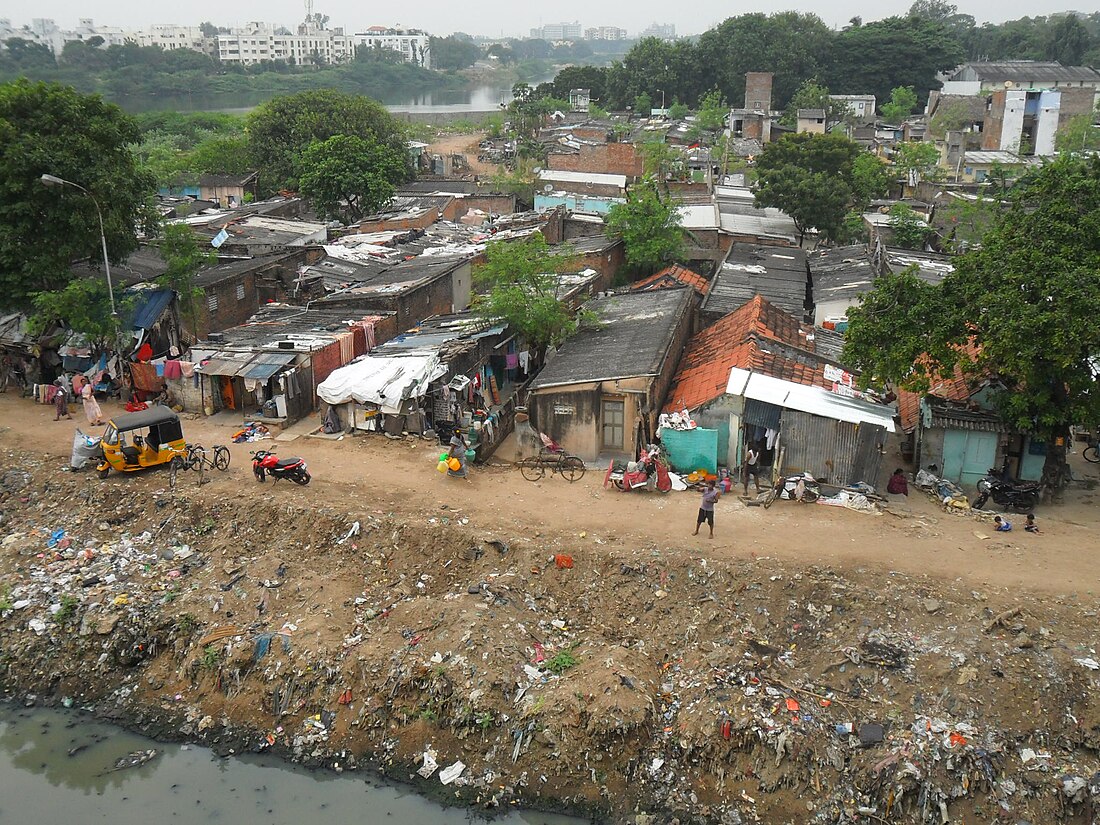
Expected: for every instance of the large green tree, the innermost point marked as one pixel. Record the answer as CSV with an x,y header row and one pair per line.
x,y
348,177
649,226
519,285
878,57
811,178
50,129
281,130
1020,310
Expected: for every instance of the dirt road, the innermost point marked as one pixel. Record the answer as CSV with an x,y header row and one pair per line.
x,y
467,145
914,536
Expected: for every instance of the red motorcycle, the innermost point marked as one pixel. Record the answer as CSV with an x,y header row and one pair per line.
x,y
266,463
650,472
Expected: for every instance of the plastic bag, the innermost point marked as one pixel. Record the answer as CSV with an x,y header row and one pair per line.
x,y
85,450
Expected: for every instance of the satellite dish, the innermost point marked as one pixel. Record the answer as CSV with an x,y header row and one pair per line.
x,y
548,188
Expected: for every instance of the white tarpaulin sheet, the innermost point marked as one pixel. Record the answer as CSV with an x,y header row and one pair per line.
x,y
382,380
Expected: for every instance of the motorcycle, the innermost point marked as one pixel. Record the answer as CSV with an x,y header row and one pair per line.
x,y
650,472
266,463
1009,493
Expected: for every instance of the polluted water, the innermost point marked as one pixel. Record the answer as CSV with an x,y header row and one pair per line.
x,y
69,768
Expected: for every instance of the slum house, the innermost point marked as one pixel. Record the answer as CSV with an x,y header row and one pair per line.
x,y
597,157
411,289
228,191
601,392
838,437
839,277
778,274
419,210
953,431
600,253
758,337
743,222
451,371
232,291
587,192
268,369
673,277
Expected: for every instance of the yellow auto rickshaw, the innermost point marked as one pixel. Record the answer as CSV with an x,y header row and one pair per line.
x,y
139,440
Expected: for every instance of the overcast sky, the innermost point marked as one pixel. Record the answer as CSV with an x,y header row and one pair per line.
x,y
489,17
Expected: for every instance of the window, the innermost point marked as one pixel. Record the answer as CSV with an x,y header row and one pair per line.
x,y
240,292
613,424
212,302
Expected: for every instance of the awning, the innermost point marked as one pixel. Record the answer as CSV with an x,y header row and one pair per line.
x,y
226,363
813,400
263,366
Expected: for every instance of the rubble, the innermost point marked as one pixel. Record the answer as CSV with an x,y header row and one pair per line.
x,y
548,670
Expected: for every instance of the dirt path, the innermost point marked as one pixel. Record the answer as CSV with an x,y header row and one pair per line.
x,y
914,536
465,144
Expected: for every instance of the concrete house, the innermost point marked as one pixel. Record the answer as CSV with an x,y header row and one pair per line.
x,y
601,393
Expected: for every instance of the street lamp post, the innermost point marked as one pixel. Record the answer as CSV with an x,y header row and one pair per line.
x,y
52,180
662,91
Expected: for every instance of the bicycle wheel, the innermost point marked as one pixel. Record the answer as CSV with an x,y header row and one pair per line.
x,y
532,469
572,468
1092,454
773,493
196,453
174,466
221,458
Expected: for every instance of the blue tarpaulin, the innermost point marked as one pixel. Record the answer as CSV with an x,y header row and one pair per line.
x,y
691,449
149,304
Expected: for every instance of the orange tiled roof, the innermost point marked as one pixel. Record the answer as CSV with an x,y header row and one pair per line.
x,y
671,277
757,336
957,389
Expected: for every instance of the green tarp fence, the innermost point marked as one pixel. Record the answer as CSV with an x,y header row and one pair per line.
x,y
691,449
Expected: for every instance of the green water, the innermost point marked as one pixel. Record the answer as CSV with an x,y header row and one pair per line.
x,y
188,785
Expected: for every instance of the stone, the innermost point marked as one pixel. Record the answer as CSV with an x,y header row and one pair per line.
x,y
932,605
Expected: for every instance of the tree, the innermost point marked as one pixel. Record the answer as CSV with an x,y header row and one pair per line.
x,y
1068,41
810,177
593,78
916,160
649,227
869,180
82,305
712,111
180,251
452,53
643,104
812,95
348,177
522,288
907,229
902,102
51,129
1079,134
1020,311
878,57
222,155
280,131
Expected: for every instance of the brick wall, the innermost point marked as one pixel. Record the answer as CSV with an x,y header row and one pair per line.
x,y
994,121
402,223
607,158
495,204
758,90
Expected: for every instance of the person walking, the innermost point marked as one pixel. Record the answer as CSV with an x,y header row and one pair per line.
x,y
61,402
91,407
752,468
711,494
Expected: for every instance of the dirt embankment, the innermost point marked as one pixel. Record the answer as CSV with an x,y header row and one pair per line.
x,y
561,669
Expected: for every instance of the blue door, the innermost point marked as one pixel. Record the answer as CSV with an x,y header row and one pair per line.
x,y
968,455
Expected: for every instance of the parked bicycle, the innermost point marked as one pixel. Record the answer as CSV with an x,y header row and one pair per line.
x,y
1091,453
194,458
558,461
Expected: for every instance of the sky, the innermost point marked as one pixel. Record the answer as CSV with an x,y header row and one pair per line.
x,y
494,18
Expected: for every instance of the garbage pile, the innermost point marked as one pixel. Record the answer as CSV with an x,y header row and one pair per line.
x,y
640,684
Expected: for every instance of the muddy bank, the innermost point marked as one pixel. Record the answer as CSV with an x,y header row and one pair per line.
x,y
562,671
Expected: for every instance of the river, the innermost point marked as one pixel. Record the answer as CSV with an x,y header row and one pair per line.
x,y
56,769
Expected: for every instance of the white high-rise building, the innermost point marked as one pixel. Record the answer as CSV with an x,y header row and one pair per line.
x,y
413,45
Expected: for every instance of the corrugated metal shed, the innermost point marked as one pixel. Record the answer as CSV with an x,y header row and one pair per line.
x,y
761,414
839,452
813,400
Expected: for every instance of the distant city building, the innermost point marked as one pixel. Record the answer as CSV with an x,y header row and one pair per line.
x,y
860,107
605,33
663,31
413,45
558,31
310,43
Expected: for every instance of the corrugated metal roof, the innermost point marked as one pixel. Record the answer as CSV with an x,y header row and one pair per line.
x,y
1029,71
263,366
225,363
812,400
150,305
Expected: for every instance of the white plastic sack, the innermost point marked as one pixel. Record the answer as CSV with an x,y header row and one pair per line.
x,y
450,774
85,448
